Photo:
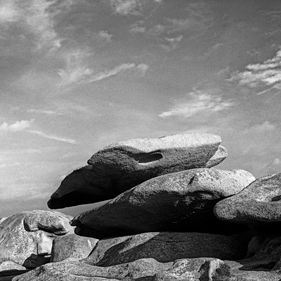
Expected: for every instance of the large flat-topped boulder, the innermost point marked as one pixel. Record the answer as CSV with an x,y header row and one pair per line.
x,y
121,166
258,205
147,145
26,238
181,201
184,151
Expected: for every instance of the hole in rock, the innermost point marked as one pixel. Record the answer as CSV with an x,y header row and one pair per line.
x,y
147,158
276,198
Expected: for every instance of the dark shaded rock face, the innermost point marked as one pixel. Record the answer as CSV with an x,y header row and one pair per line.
x,y
164,247
258,205
83,186
26,238
123,165
181,201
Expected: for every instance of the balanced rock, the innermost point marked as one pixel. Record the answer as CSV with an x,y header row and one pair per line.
x,y
258,205
26,238
121,166
181,201
143,269
164,247
72,247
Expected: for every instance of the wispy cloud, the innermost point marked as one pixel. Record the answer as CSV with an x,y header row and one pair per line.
x,y
276,162
125,7
24,125
197,102
15,127
261,128
112,72
45,112
8,12
52,137
198,17
131,7
171,43
105,35
34,17
77,70
265,74
40,22
140,68
138,27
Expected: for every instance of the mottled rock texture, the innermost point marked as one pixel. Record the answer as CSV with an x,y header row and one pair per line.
x,y
123,165
26,238
181,201
258,205
142,269
72,246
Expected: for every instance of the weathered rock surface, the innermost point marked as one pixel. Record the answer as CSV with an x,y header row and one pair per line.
x,y
123,165
200,269
164,247
72,246
26,238
181,201
258,205
142,269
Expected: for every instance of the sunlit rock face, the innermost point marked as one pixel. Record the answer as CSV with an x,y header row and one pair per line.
x,y
26,238
121,166
258,205
72,247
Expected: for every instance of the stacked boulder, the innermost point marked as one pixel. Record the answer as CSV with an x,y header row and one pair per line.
x,y
168,215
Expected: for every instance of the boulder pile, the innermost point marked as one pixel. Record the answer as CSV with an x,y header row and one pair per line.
x,y
168,215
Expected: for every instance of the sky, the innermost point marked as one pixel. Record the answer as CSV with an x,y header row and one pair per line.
x,y
76,76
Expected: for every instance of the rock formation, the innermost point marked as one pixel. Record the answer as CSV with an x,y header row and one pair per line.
x,y
26,238
166,203
170,216
123,165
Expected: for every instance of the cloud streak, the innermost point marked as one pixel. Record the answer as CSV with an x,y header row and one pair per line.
x,y
197,102
77,72
140,68
44,112
52,137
